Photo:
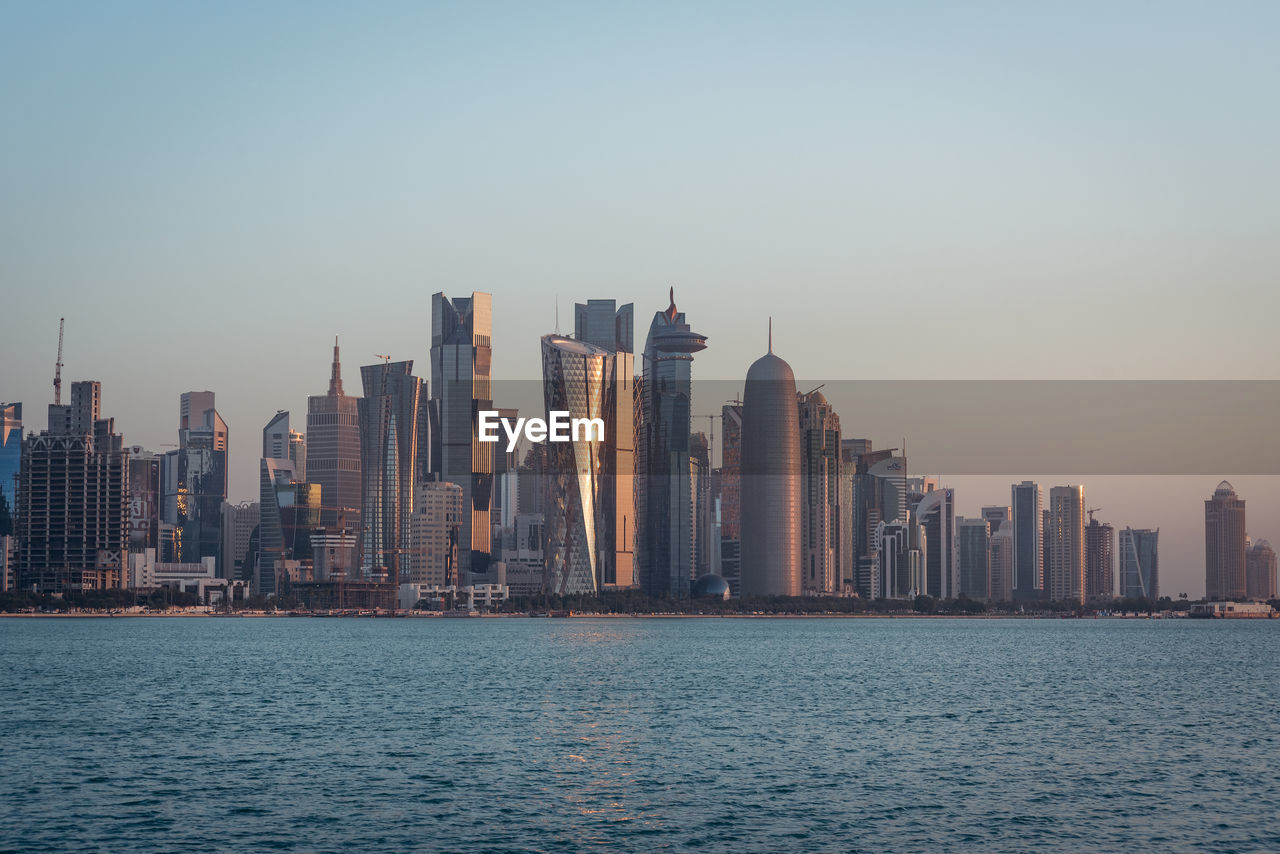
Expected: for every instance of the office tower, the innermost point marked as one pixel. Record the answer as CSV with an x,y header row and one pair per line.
x,y
771,480
612,329
333,451
461,365
434,528
878,493
973,537
10,460
194,479
1224,548
573,379
1065,537
289,510
664,511
144,500
390,413
1260,572
1099,559
281,442
936,515
898,561
706,531
238,523
72,497
1001,585
8,562
1140,563
1028,544
731,495
525,556
997,516
820,508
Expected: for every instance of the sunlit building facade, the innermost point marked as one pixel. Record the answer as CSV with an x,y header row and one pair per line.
x,y
1224,545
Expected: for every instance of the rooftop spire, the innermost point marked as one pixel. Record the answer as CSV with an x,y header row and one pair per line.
x,y
771,335
335,377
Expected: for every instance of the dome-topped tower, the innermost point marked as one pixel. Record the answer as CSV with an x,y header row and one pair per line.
x,y
770,481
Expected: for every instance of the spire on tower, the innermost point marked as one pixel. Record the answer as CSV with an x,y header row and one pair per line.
x,y
335,377
770,334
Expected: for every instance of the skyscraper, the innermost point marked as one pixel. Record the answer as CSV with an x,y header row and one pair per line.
x,y
936,515
281,442
1140,563
1001,585
664,512
821,513
1099,558
1028,545
433,534
333,451
461,386
731,495
997,516
771,480
389,446
288,513
1224,548
602,324
573,375
974,539
1066,543
194,479
1260,572
238,523
73,514
10,460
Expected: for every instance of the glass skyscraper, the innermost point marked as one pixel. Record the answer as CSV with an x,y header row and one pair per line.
x,y
10,461
391,425
1140,563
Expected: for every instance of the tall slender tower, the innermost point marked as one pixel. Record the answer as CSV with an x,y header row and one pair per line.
x,y
1028,541
1224,545
770,480
665,517
1099,559
461,386
389,430
333,451
820,507
1065,536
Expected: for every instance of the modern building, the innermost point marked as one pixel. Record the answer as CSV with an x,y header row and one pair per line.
x,y
899,563
72,500
1028,541
877,493
1260,572
822,515
238,524
664,512
434,528
1224,545
390,430
289,511
936,516
1140,563
461,386
10,461
1099,559
1001,585
996,516
771,480
731,495
573,381
973,538
525,556
602,324
194,479
282,442
333,451
1065,536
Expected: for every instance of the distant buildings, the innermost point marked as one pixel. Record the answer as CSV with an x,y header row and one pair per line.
x,y
771,481
731,495
239,521
1099,559
289,511
936,516
664,507
1260,571
1065,537
1140,563
434,529
72,497
1224,545
281,442
1001,586
1028,544
461,386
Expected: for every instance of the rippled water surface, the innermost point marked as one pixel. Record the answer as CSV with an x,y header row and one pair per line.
x,y
637,734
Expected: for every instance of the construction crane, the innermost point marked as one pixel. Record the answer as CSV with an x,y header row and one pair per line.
x,y
57,366
1091,511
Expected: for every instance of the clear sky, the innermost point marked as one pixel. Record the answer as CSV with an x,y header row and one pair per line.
x,y
210,192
